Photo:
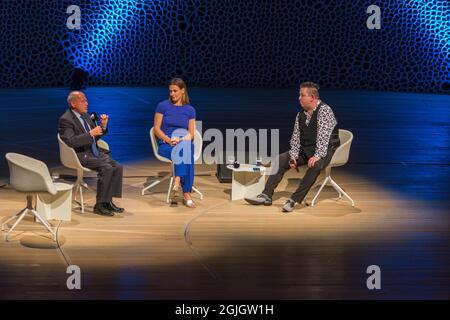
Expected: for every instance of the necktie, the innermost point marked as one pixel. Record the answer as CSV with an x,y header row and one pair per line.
x,y
93,144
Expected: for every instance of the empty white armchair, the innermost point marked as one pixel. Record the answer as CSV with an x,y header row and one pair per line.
x,y
31,177
70,160
198,144
339,158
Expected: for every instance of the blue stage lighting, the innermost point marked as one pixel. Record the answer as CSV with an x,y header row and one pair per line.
x,y
434,19
101,35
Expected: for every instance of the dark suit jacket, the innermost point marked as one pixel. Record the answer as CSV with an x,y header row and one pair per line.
x,y
75,136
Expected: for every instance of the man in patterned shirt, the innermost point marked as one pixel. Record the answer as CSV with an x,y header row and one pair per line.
x,y
313,142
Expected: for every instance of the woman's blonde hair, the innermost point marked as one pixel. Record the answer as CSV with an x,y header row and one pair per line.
x,y
182,85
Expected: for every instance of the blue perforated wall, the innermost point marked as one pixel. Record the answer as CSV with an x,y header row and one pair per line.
x,y
228,43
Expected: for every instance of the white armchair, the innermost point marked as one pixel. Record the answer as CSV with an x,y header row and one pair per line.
x,y
198,144
29,176
70,160
340,158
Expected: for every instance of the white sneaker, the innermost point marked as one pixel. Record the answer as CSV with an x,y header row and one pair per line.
x,y
289,205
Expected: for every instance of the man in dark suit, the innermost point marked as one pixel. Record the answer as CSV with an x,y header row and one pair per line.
x,y
78,131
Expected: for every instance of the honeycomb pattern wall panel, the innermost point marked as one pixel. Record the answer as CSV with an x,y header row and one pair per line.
x,y
239,43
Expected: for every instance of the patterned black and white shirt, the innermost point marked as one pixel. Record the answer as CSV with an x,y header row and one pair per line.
x,y
325,123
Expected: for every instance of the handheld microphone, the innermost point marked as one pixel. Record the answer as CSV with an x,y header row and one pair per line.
x,y
94,117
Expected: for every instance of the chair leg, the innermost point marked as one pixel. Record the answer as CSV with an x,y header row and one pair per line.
x,y
154,183
12,218
75,192
320,190
81,199
24,212
198,191
318,183
170,189
21,215
45,223
38,217
80,184
328,173
79,190
336,186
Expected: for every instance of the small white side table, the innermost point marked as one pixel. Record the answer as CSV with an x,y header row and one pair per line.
x,y
246,182
58,206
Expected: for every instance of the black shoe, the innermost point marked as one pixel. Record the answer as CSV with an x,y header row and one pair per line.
x,y
115,208
101,208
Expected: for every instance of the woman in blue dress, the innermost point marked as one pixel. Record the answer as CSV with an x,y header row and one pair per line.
x,y
174,125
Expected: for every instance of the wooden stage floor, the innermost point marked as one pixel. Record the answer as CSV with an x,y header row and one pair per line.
x,y
398,175
231,250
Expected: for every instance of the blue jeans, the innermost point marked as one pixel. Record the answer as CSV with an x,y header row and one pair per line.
x,y
183,161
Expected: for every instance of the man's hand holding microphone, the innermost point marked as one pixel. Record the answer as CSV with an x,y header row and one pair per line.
x,y
99,130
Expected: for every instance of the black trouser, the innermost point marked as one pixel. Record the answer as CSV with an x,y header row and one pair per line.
x,y
307,181
110,172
